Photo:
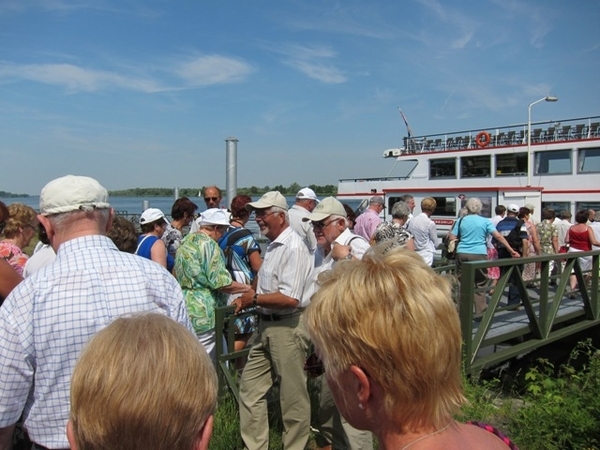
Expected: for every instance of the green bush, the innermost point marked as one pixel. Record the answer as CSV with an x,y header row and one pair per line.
x,y
561,408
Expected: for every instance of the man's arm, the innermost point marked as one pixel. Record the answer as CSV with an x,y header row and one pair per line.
x,y
6,435
9,278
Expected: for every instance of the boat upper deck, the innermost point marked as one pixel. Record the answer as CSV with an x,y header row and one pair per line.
x,y
582,128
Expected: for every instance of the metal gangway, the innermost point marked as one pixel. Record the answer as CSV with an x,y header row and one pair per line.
x,y
549,312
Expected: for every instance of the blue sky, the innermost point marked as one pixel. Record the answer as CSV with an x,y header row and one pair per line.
x,y
144,93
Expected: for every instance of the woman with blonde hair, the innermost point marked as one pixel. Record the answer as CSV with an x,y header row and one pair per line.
x,y
19,229
142,383
389,337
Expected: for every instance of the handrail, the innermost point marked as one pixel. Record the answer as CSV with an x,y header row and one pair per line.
x,y
544,320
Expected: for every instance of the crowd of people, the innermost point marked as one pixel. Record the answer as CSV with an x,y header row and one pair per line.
x,y
109,340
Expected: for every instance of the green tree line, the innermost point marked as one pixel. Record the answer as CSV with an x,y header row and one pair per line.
x,y
292,189
4,194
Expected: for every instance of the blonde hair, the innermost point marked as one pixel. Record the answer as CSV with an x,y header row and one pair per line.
x,y
19,216
392,315
428,204
144,382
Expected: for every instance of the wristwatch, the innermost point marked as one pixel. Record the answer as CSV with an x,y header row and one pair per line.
x,y
255,299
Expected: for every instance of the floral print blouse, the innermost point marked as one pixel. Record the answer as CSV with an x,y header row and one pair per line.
x,y
13,255
200,270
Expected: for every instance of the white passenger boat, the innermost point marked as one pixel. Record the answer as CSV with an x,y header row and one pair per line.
x,y
560,169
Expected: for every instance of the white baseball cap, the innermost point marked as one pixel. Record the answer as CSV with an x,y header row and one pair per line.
x,y
72,193
513,208
307,193
151,215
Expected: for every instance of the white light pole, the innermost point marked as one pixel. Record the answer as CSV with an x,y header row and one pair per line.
x,y
530,163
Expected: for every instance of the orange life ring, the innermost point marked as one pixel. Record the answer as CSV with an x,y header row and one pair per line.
x,y
483,139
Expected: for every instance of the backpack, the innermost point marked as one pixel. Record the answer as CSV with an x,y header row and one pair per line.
x,y
229,246
513,238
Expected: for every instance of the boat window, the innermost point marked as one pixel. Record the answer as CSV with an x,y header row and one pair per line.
x,y
475,166
558,207
442,168
586,205
511,164
446,206
589,160
550,163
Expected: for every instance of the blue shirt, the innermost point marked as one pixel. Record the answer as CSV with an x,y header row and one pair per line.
x,y
47,319
474,231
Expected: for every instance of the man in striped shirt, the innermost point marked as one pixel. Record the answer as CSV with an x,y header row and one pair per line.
x,y
282,342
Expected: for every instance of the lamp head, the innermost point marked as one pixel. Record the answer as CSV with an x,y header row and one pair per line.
x,y
551,99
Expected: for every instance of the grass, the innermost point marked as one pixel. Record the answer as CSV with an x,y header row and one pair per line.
x,y
552,408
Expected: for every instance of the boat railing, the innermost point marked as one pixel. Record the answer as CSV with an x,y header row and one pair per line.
x,y
582,128
365,180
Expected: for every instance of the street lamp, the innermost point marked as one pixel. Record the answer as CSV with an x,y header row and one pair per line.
x,y
529,162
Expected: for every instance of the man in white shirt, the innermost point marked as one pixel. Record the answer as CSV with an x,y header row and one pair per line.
x,y
338,243
282,341
306,200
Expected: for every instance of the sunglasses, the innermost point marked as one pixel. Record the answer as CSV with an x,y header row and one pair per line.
x,y
314,366
211,199
322,224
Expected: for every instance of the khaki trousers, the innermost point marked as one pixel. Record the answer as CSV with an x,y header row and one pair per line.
x,y
278,355
338,432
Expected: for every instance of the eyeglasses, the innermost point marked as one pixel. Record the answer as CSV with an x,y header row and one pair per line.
x,y
321,224
262,213
211,199
314,366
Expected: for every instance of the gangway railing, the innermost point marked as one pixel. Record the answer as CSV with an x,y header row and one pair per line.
x,y
548,313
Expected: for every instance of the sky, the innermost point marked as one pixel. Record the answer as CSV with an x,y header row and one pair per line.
x,y
144,93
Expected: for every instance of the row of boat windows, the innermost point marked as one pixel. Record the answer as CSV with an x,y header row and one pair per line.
x,y
555,162
451,206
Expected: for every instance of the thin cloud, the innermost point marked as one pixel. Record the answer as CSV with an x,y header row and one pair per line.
x,y
214,69
313,62
74,78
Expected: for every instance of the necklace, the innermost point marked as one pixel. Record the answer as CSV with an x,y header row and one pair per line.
x,y
426,436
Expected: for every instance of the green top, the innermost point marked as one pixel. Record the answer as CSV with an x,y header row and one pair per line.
x,y
200,270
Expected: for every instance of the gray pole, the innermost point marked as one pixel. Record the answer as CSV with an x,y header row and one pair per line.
x,y
231,170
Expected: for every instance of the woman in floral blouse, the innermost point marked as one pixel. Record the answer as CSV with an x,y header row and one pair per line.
x,y
19,229
200,270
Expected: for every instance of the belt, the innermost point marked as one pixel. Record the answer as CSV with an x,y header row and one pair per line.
x,y
278,317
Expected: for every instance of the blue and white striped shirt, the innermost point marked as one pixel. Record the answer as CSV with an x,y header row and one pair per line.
x,y
50,316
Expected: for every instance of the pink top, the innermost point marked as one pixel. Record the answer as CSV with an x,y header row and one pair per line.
x,y
13,255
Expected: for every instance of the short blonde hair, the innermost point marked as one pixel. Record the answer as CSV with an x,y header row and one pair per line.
x,y
19,216
393,316
144,382
428,204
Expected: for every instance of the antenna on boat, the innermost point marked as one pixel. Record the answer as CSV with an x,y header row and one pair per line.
x,y
410,145
408,130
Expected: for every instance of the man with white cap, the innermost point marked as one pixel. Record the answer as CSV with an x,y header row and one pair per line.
x,y
367,222
47,319
282,342
337,243
306,200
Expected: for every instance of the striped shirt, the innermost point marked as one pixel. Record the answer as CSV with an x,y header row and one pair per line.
x,y
47,319
285,269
